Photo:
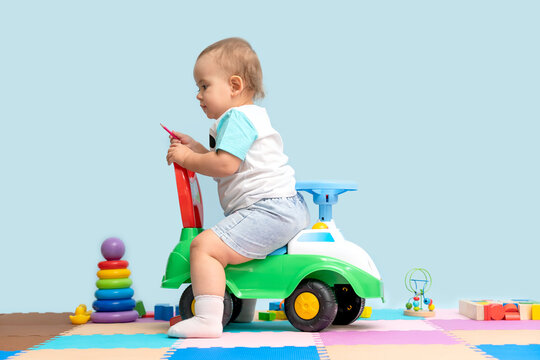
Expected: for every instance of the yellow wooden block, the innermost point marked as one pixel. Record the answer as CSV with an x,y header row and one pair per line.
x,y
367,312
280,315
535,311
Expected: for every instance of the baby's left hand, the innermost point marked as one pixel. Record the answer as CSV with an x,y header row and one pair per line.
x,y
177,153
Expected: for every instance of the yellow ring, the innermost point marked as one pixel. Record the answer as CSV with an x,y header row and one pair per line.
x,y
306,305
114,274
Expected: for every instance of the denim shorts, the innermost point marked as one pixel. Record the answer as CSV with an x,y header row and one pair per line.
x,y
267,225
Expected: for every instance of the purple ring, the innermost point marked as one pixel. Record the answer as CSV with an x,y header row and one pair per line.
x,y
114,316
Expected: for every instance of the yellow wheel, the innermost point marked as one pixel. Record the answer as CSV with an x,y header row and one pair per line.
x,y
312,306
306,306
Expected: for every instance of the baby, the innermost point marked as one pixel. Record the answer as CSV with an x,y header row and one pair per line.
x,y
256,187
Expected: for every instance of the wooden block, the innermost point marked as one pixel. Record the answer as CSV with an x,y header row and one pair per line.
x,y
535,312
511,316
280,315
175,320
139,307
366,313
267,316
149,314
525,311
510,307
493,312
163,312
472,309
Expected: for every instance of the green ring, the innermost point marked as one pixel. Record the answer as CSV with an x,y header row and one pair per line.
x,y
114,283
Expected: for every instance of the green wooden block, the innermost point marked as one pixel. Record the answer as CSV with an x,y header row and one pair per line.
x,y
139,307
267,316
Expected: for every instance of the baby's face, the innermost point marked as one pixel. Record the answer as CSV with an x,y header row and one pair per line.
x,y
215,95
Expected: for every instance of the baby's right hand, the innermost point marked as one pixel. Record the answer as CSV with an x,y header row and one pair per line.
x,y
184,139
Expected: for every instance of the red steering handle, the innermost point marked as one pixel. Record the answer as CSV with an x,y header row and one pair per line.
x,y
189,197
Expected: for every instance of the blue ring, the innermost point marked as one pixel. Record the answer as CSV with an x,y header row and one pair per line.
x,y
113,294
114,305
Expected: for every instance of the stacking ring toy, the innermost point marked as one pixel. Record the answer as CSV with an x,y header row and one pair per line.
x,y
114,283
114,316
114,305
113,264
114,274
113,294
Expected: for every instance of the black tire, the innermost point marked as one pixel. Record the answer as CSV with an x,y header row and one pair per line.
x,y
186,299
350,305
312,320
237,307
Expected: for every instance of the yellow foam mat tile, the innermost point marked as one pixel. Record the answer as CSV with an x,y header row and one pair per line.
x,y
112,329
92,354
416,352
498,337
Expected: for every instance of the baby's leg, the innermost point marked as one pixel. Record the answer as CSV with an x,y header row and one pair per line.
x,y
208,257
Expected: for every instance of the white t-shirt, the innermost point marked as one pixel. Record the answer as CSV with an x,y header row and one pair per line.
x,y
246,133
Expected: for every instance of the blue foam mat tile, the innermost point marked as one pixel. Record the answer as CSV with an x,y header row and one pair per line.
x,y
243,353
136,341
6,354
512,352
390,314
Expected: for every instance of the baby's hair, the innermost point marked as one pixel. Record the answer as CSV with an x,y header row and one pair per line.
x,y
237,57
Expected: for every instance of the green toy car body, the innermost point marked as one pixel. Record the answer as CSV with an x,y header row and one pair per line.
x,y
323,278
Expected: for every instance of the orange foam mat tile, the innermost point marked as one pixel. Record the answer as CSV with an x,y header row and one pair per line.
x,y
404,352
120,328
498,337
92,354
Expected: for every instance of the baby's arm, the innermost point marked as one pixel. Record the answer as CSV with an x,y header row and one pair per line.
x,y
215,164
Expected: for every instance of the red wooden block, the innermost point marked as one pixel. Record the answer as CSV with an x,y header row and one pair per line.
x,y
510,308
511,316
178,318
493,312
149,314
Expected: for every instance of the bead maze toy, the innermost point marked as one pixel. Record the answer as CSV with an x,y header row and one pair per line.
x,y
323,278
114,303
419,287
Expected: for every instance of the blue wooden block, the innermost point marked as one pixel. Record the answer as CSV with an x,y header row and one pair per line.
x,y
274,305
163,312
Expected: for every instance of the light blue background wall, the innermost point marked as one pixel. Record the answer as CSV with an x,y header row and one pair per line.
x,y
431,107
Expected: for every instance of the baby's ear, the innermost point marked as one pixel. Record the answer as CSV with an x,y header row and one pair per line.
x,y
237,84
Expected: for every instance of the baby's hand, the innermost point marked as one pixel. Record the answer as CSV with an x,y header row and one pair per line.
x,y
177,153
184,139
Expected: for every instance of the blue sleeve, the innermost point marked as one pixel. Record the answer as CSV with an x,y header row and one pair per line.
x,y
235,134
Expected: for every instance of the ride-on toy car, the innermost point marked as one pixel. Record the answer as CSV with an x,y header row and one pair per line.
x,y
323,278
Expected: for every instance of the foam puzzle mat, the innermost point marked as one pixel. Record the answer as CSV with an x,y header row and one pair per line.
x,y
386,335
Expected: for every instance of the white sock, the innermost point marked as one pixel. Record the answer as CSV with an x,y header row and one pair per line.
x,y
207,322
